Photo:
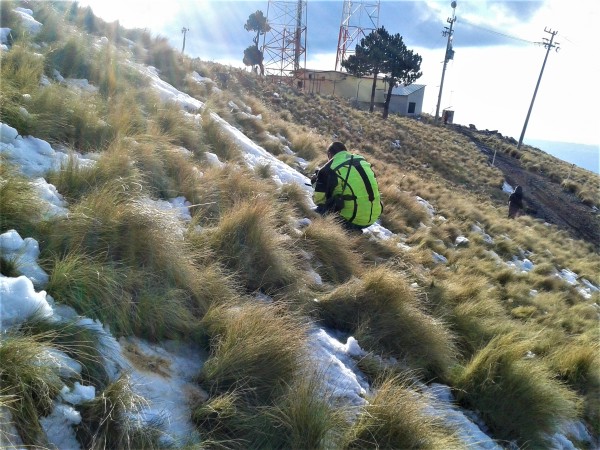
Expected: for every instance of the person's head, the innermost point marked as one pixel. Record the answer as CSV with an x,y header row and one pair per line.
x,y
334,148
518,190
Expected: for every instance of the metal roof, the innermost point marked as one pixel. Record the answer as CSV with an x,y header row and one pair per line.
x,y
407,90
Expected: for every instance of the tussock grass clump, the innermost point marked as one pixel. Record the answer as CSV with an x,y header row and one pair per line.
x,y
113,223
19,202
182,169
9,267
273,145
577,363
334,250
73,180
471,308
293,195
307,415
54,26
252,364
577,319
224,421
517,396
171,121
252,126
146,243
465,286
167,60
222,188
248,243
386,313
29,376
72,59
150,161
307,147
65,116
111,420
256,347
127,112
221,143
162,312
78,341
302,417
111,76
20,71
263,171
401,210
398,416
91,287
128,300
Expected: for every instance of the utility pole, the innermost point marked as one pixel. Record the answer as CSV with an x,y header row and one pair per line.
x,y
448,56
548,44
184,30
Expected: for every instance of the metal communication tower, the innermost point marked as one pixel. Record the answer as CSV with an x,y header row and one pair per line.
x,y
359,18
284,46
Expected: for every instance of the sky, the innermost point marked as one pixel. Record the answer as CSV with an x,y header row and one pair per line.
x,y
331,352
490,82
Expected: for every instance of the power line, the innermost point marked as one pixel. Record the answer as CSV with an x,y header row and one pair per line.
x,y
496,32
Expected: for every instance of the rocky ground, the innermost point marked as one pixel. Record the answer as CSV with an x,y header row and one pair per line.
x,y
543,198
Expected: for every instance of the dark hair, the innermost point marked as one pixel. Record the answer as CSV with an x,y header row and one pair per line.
x,y
336,147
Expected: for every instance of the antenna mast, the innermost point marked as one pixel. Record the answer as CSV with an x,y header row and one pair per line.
x,y
284,47
359,18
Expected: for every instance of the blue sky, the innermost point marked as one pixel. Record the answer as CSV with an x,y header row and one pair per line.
x,y
490,82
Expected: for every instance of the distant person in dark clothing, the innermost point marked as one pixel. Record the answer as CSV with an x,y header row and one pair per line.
x,y
515,203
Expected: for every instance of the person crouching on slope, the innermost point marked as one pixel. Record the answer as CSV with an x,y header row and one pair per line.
x,y
515,203
346,185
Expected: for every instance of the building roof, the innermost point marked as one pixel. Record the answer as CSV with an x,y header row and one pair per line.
x,y
407,90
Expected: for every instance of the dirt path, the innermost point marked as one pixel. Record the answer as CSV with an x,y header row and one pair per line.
x,y
545,199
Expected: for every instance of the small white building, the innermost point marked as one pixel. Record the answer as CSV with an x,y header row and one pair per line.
x,y
406,100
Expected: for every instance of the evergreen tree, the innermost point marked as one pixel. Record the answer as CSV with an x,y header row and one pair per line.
x,y
402,66
369,58
253,56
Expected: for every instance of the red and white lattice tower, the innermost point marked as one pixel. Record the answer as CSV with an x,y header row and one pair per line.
x,y
359,18
284,46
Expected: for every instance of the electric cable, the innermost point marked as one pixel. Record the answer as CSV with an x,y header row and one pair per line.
x,y
496,32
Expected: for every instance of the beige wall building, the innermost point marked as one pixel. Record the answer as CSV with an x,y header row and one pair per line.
x,y
406,100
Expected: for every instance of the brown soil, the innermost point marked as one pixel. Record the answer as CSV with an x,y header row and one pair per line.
x,y
545,199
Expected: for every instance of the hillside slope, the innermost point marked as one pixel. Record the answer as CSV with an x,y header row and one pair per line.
x,y
546,199
165,282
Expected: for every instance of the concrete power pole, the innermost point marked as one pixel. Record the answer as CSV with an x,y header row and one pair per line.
x,y
548,44
447,56
184,30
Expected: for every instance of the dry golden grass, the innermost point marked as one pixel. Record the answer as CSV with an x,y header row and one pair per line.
x,y
20,204
248,243
387,314
334,250
516,395
397,416
243,238
221,188
257,347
